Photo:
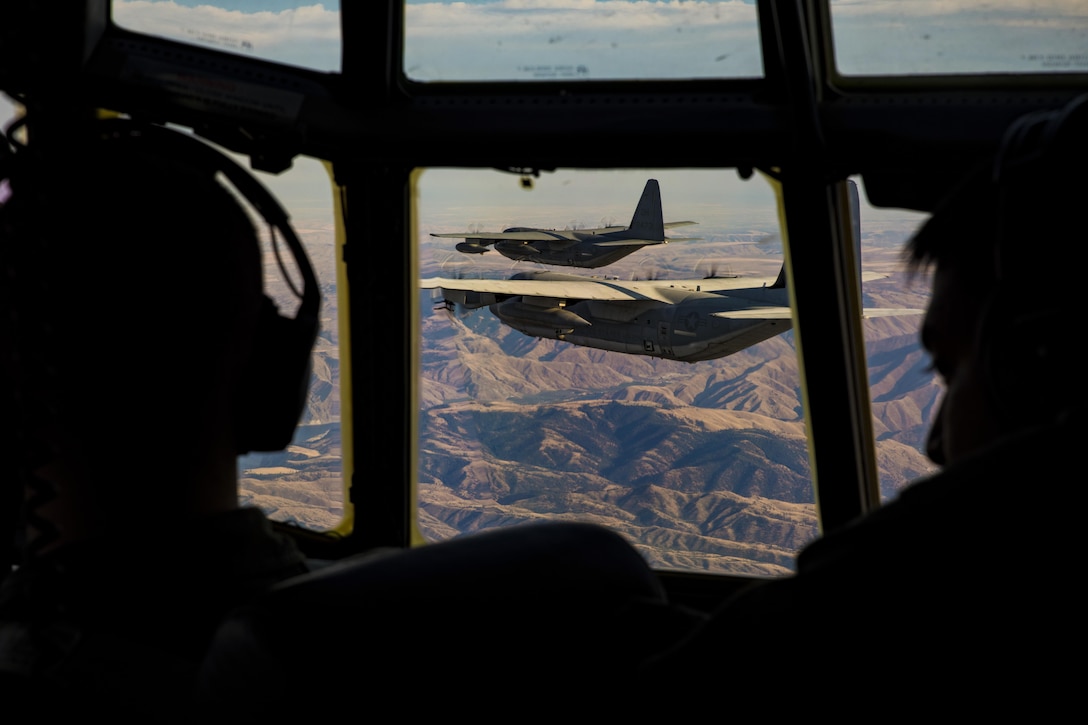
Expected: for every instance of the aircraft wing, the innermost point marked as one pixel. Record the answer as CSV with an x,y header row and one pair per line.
x,y
726,284
783,313
632,243
526,236
569,289
642,242
756,313
670,225
889,312
574,287
885,311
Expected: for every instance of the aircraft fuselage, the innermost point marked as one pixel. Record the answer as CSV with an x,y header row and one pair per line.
x,y
586,248
585,253
686,330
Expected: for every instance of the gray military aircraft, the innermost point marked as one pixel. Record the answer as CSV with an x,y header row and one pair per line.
x,y
687,320
588,248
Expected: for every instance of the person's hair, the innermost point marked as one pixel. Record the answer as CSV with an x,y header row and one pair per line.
x,y
962,231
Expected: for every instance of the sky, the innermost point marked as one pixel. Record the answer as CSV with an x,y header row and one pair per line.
x,y
523,39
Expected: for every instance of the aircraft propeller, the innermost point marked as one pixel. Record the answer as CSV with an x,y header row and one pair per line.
x,y
649,276
454,310
710,270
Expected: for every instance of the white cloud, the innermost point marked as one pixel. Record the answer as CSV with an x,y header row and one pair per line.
x,y
610,39
960,36
622,39
307,36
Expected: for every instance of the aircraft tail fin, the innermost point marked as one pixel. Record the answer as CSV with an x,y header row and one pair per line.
x,y
855,216
855,219
781,281
648,221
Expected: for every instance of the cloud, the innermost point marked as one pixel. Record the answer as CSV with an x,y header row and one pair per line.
x,y
630,39
898,37
306,36
609,39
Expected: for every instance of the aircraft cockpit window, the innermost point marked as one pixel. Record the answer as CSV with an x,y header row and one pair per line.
x,y
304,484
921,37
504,40
296,33
621,393
616,346
904,392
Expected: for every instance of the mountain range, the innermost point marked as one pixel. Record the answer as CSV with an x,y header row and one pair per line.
x,y
701,466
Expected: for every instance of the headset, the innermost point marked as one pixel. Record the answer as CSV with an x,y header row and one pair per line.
x,y
1024,337
276,380
276,383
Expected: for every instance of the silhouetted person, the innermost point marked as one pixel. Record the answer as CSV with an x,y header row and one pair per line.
x,y
131,298
962,594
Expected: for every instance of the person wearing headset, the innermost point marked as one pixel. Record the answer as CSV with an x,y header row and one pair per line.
x,y
959,595
132,305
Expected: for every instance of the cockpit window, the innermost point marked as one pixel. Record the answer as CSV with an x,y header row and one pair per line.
x,y
619,412
904,393
925,37
285,31
543,40
305,483
701,462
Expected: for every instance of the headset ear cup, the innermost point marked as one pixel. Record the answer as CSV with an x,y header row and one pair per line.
x,y
276,383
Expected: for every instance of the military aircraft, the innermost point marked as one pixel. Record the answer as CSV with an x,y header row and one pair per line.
x,y
588,248
687,320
